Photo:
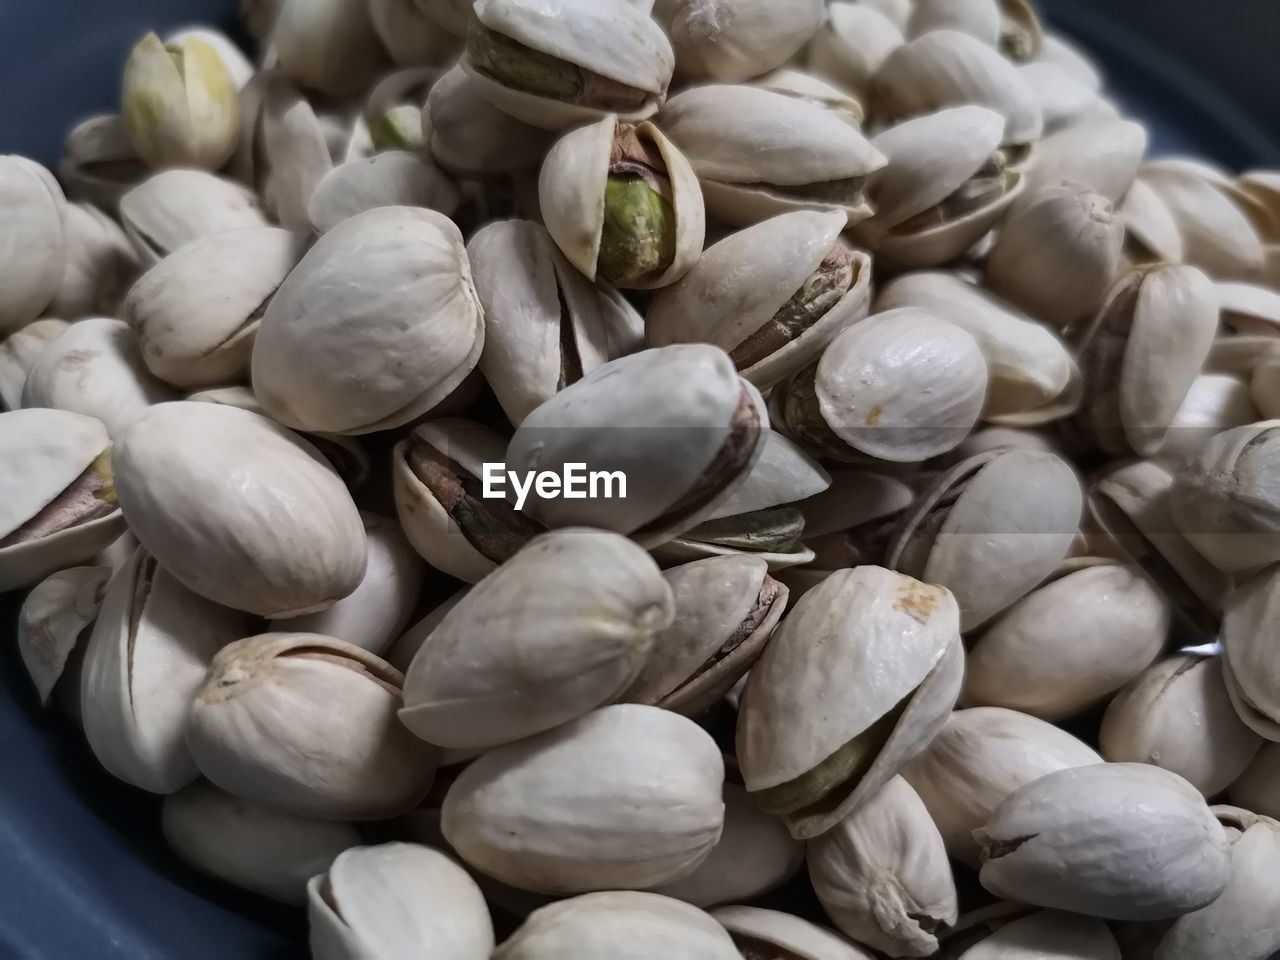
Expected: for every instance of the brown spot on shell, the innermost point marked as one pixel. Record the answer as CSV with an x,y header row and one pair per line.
x,y
917,601
873,417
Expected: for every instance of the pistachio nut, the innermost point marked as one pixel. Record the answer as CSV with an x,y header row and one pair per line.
x,y
409,35
946,68
407,645
307,724
1151,233
1264,380
755,854
1046,935
233,58
978,758
1057,49
559,629
1249,664
852,43
625,797
1249,308
405,291
171,208
196,312
559,68
597,924
677,422
980,19
1022,507
622,204
468,135
810,88
388,179
849,524
18,352
1215,403
986,439
397,900
1032,376
1058,253
295,153
53,620
179,103
948,182
734,40
1103,154
1069,644
1063,97
882,874
546,325
1256,788
726,608
57,498
144,662
759,934
902,386
329,46
101,264
393,111
758,153
378,610
1177,715
99,164
284,539
1140,354
33,251
1069,840
1217,234
813,755
774,314
250,845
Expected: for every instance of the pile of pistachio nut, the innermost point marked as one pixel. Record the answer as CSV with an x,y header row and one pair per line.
x,y
941,614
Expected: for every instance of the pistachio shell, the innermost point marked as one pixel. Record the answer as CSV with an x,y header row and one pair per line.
x,y
389,179
1250,665
18,352
1056,49
295,152
852,44
1064,98
174,207
855,497
1046,935
1149,223
1102,154
734,40
469,135
409,35
802,85
52,621
1256,788
327,45
772,933
99,164
980,19
33,251
101,264
232,57
1215,402
408,644
1216,233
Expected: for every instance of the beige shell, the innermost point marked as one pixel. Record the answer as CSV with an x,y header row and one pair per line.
x,y
802,85
624,797
734,40
1264,380
978,18
852,43
327,45
1103,154
232,57
53,619
390,282
99,164
1250,666
174,207
1249,308
598,924
1057,49
407,645
33,251
306,724
294,152
1058,253
1012,523
757,931
393,178
904,634
409,35
1256,788
882,874
397,900
251,845
1215,402
1149,224
470,136
1217,234
854,497
239,509
144,662
101,264
1046,935
1065,99
18,352
980,757
1069,644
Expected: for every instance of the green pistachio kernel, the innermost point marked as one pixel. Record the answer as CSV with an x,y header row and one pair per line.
x,y
101,468
399,128
514,65
776,529
639,236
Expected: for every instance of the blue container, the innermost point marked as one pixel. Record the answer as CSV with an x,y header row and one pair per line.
x,y
84,871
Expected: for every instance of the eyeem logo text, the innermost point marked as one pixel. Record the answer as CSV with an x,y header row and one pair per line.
x,y
575,483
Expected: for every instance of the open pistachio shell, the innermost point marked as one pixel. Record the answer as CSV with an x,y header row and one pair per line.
x,y
853,42
174,207
99,164
770,933
410,36
52,622
18,353
1064,99
1102,154
101,264
1216,232
327,45
1044,934
734,40
33,251
1149,226
470,136
1250,664
980,19
393,178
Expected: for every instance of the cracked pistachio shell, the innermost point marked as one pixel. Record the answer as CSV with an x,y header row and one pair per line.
x,y
18,352
622,925
95,367
625,797
529,291
852,43
1215,403
855,497
470,136
173,207
294,151
770,933
196,312
378,610
932,160
730,41
233,58
1216,231
1058,253
947,68
48,456
1102,154
144,663
610,46
1012,518
101,264
409,35
1251,666
981,756
1064,99
1177,715
32,241
857,624
572,195
755,854
329,46
251,845
739,285
1069,841
883,876
559,629
99,164
179,102
1141,354
784,474
52,621
725,610
678,422
1069,644
239,509
307,724
395,901
1047,935
803,85
393,178
390,321
1032,376
1149,226
758,153
1258,788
